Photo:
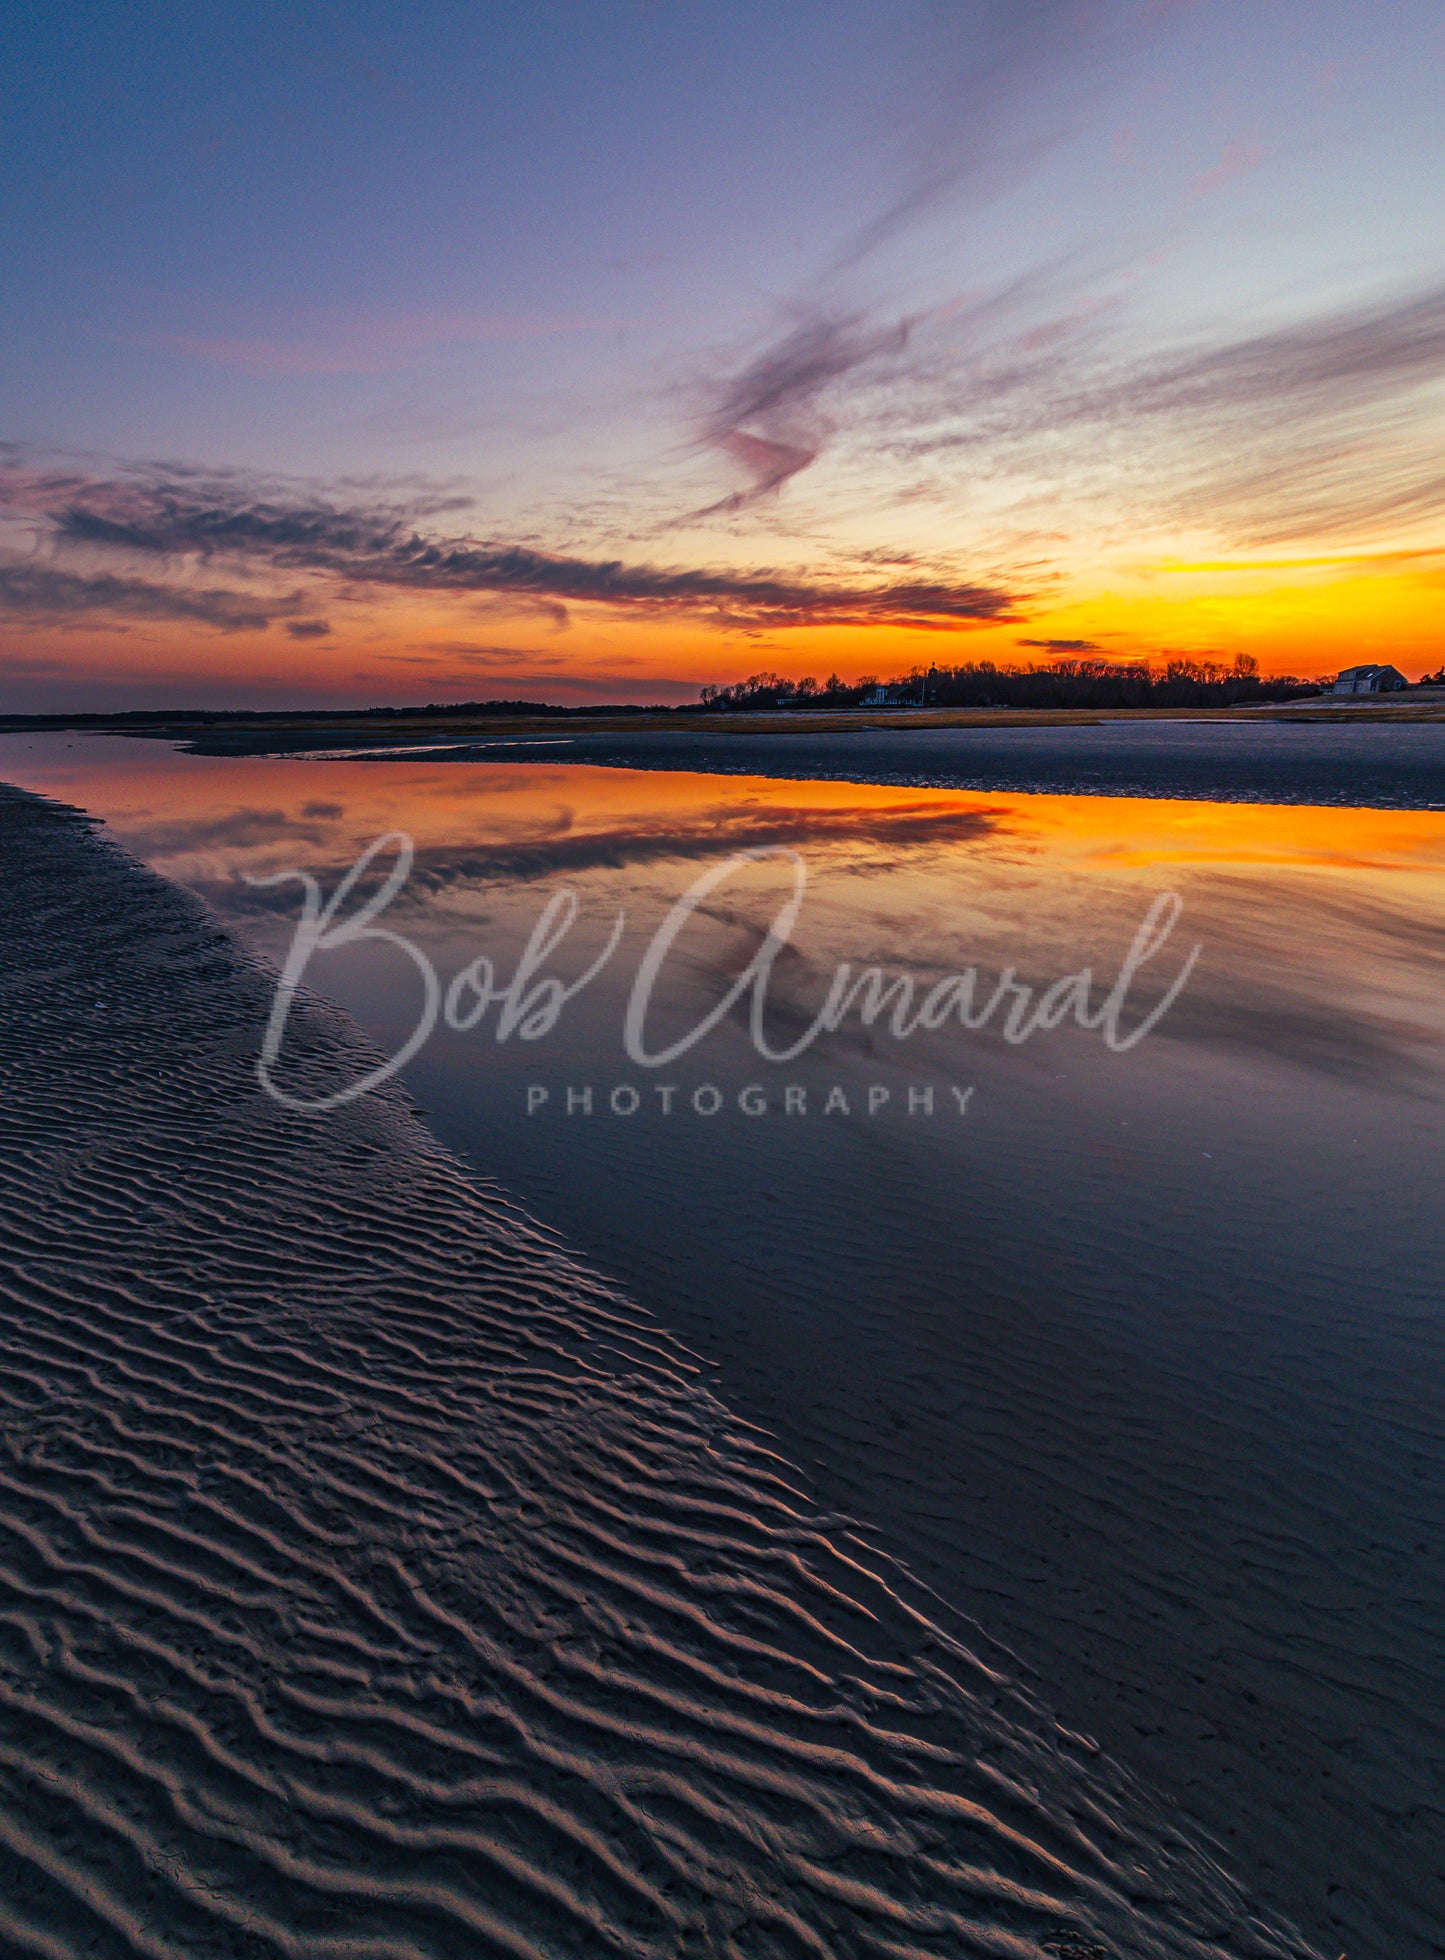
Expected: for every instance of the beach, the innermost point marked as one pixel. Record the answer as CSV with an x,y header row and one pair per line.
x,y
1148,1426
379,1581
722,1055
1319,760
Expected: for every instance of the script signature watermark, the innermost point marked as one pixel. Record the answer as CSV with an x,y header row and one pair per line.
x,y
531,999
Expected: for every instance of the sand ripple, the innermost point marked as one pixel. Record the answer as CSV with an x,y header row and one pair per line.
x,y
376,1582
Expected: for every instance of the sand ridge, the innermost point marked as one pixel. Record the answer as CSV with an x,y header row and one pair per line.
x,y
377,1582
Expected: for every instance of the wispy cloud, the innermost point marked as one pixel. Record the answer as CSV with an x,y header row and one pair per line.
x,y
1326,426
244,828
568,849
1322,427
1064,646
51,596
471,654
1238,159
981,97
1352,355
768,419
180,521
983,92
718,832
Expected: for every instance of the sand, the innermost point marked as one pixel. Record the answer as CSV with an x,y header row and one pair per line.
x,y
375,1581
1357,764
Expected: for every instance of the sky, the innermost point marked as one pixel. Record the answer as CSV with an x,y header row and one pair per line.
x,y
590,352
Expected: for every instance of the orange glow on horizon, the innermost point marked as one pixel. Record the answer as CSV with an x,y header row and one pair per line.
x,y
1306,616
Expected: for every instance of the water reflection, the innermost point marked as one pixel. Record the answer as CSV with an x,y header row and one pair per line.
x,y
1137,1358
1321,927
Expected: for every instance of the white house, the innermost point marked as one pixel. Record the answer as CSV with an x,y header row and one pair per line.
x,y
1369,680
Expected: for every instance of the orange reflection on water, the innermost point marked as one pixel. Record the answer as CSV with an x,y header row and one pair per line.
x,y
202,817
1319,928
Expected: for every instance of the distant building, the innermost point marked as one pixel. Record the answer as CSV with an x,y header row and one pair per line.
x,y
1369,680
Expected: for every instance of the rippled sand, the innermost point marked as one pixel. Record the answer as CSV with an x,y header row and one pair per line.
x,y
375,1581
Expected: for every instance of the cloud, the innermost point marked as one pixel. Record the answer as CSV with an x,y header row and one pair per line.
x,y
1322,427
1265,437
242,828
767,417
1354,354
472,655
1237,160
723,830
175,517
979,101
1063,646
53,597
308,629
567,851
1317,428
984,91
22,668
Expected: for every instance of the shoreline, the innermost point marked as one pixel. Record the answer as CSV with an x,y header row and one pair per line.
x,y
1181,757
373,1557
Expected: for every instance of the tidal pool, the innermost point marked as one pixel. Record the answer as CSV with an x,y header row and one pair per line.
x,y
1131,1347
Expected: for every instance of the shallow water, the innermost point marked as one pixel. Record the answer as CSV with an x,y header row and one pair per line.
x,y
1136,1360
378,1584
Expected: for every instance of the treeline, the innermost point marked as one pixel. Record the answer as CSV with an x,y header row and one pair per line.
x,y
1064,683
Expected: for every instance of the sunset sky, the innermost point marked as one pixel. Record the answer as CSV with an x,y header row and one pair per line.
x,y
591,352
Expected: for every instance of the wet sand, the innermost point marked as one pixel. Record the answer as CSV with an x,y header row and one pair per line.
x,y
1356,764
375,1581
1139,1366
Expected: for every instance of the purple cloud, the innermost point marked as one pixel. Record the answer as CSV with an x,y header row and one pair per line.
x,y
169,519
